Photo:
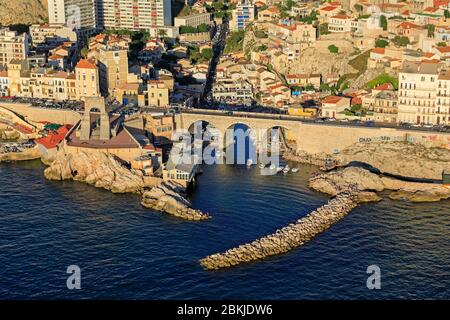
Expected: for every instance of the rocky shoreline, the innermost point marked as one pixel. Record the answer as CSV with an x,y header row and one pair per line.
x,y
287,238
27,154
167,197
108,172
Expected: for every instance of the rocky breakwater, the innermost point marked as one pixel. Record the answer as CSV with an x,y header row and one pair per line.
x,y
287,238
366,184
167,197
106,171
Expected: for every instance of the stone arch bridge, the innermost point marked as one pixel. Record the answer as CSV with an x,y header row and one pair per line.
x,y
328,137
222,121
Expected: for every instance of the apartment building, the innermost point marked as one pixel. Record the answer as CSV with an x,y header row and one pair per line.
x,y
112,65
134,14
78,15
232,91
51,33
12,46
45,83
385,106
193,20
157,93
418,92
87,79
243,15
442,111
342,23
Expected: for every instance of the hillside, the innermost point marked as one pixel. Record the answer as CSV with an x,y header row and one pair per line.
x,y
23,11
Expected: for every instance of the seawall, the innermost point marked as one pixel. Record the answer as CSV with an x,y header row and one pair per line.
x,y
35,114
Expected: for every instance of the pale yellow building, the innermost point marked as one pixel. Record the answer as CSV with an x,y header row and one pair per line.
x,y
112,65
12,46
157,93
87,79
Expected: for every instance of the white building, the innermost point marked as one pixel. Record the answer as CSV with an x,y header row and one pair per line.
x,y
79,15
134,15
243,15
423,94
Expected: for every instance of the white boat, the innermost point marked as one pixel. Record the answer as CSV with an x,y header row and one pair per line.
x,y
272,166
249,162
295,170
279,169
286,169
261,166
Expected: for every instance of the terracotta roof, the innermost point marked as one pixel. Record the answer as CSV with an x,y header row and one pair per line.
x,y
54,138
328,8
438,3
431,9
331,99
86,64
408,25
55,57
445,49
384,86
378,50
341,16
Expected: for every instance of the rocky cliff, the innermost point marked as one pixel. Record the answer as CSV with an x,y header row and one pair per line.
x,y
400,158
96,168
108,172
366,184
23,11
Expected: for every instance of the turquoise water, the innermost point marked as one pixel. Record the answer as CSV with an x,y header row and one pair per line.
x,y
126,251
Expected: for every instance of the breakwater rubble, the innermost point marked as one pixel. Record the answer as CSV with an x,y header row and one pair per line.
x,y
287,238
167,197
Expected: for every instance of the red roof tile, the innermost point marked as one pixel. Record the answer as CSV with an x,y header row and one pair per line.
x,y
86,64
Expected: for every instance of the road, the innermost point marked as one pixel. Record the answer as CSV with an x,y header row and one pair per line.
x,y
218,47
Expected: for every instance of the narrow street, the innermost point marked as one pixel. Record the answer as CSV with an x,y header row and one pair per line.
x,y
218,43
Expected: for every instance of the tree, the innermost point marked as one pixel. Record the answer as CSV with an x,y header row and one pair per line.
x,y
442,44
207,53
401,41
162,33
358,7
323,29
333,48
383,22
446,14
381,43
430,30
84,52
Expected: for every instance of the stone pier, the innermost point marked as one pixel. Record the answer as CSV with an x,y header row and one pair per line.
x,y
287,238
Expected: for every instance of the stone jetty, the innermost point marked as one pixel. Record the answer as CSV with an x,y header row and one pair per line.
x,y
287,238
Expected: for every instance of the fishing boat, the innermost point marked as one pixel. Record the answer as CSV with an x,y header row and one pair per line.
x,y
295,170
249,162
261,166
279,169
272,166
286,169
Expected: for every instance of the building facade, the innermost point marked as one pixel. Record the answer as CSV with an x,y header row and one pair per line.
x,y
79,15
12,46
418,91
134,14
112,64
243,15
